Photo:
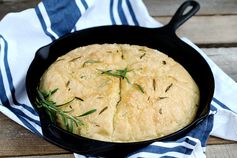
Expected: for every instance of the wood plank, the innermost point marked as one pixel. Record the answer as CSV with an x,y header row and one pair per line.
x,y
205,30
16,140
46,156
158,7
225,58
222,151
6,7
211,7
214,141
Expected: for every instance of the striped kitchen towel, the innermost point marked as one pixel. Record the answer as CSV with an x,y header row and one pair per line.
x,y
21,34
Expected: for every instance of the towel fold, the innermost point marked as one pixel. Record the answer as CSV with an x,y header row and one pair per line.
x,y
21,34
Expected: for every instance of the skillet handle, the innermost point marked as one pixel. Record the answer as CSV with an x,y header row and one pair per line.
x,y
179,17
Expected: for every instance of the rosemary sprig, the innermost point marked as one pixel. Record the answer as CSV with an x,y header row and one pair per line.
x,y
90,62
122,73
51,108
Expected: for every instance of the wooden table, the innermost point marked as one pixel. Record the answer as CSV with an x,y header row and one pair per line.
x,y
214,29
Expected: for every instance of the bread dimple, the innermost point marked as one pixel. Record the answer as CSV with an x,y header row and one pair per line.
x,y
156,97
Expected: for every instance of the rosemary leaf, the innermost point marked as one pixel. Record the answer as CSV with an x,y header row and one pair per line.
x,y
162,97
87,113
53,91
154,84
50,116
70,129
65,121
166,90
142,55
90,61
72,60
105,108
65,103
139,87
79,98
68,111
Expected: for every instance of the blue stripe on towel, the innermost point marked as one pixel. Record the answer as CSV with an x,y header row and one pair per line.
x,y
41,19
63,15
222,104
202,130
121,13
84,4
163,150
111,12
17,112
213,108
187,140
10,80
132,13
4,98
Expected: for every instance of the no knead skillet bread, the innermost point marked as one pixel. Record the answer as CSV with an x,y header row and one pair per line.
x,y
136,93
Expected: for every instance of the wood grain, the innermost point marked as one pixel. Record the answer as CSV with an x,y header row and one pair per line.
x,y
156,7
214,30
16,140
208,29
225,58
210,7
47,156
13,6
222,151
215,141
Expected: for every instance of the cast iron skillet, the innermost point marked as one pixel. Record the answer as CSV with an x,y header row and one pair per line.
x,y
164,39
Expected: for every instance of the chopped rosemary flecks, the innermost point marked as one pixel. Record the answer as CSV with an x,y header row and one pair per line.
x,y
142,49
109,51
122,56
79,98
160,111
148,98
139,87
74,59
68,82
105,108
162,97
42,101
87,113
117,73
90,62
154,84
166,90
142,55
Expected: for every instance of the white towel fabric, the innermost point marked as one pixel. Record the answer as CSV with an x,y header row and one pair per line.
x,y
21,34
